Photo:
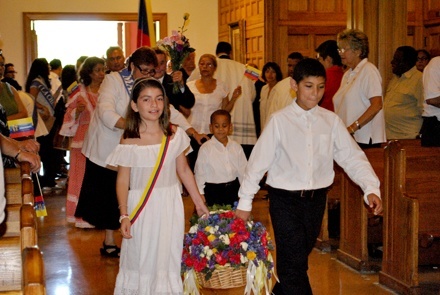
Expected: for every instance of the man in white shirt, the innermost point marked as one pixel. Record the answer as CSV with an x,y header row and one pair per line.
x,y
297,149
431,107
54,77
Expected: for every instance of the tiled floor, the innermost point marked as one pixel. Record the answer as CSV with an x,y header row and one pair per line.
x,y
74,265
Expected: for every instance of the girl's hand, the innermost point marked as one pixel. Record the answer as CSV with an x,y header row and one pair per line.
x,y
202,210
125,228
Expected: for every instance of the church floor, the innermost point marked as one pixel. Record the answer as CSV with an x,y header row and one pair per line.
x,y
74,265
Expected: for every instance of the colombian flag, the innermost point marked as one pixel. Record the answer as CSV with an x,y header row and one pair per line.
x,y
145,35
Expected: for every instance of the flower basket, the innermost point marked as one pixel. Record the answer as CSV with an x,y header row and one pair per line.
x,y
224,278
223,252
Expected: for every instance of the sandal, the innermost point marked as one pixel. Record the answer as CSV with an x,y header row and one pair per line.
x,y
110,250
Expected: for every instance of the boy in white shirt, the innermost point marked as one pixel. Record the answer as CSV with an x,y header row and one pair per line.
x,y
220,163
297,149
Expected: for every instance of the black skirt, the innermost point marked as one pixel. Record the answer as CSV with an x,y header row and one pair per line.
x,y
97,203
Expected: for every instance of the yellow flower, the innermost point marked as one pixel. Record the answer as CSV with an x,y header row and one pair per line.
x,y
251,255
211,238
186,16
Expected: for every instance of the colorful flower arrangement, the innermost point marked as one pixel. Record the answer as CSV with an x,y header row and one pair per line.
x,y
222,240
178,47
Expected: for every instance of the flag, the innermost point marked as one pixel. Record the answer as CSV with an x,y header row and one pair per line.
x,y
21,127
252,73
145,35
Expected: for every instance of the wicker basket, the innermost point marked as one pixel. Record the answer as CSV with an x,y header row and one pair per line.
x,y
224,278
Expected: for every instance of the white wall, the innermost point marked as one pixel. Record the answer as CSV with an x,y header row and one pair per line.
x,y
202,30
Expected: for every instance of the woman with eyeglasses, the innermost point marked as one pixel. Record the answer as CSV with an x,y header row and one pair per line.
x,y
358,101
80,107
423,58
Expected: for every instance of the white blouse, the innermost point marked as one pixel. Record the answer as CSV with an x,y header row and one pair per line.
x,y
205,105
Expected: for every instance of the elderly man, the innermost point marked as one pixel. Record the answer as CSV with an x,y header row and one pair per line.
x,y
115,59
403,103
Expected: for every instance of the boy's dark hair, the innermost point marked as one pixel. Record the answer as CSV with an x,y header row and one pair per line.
x,y
329,48
306,68
220,113
274,66
223,47
295,55
133,119
55,64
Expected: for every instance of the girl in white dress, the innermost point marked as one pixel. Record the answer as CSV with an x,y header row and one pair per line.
x,y
152,246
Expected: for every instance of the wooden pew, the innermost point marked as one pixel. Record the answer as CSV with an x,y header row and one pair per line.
x,y
21,264
412,205
33,272
353,241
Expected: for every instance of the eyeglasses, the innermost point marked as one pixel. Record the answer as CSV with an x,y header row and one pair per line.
x,y
146,72
11,72
209,65
343,50
2,64
423,58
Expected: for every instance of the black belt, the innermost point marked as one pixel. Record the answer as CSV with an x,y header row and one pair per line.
x,y
301,193
223,184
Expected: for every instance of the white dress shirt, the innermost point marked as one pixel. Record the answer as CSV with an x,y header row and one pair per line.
x,y
217,163
431,87
205,105
297,149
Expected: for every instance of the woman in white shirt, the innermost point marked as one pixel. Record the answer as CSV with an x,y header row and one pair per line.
x,y
211,94
271,75
358,102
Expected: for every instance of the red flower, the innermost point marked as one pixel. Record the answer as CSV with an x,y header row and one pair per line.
x,y
200,265
220,259
235,258
203,238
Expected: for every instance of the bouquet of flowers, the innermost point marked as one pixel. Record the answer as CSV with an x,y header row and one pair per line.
x,y
222,240
178,48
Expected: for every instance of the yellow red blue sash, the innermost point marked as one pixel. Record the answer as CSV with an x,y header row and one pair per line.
x,y
153,177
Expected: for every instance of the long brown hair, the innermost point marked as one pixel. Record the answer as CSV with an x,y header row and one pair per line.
x,y
133,119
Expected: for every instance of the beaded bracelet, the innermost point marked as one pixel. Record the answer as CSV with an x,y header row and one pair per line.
x,y
123,216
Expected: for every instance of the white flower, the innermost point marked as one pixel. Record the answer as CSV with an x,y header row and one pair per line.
x,y
243,259
208,252
225,239
244,245
193,229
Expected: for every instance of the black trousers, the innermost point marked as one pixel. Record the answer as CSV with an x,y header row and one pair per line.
x,y
296,220
222,193
430,131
